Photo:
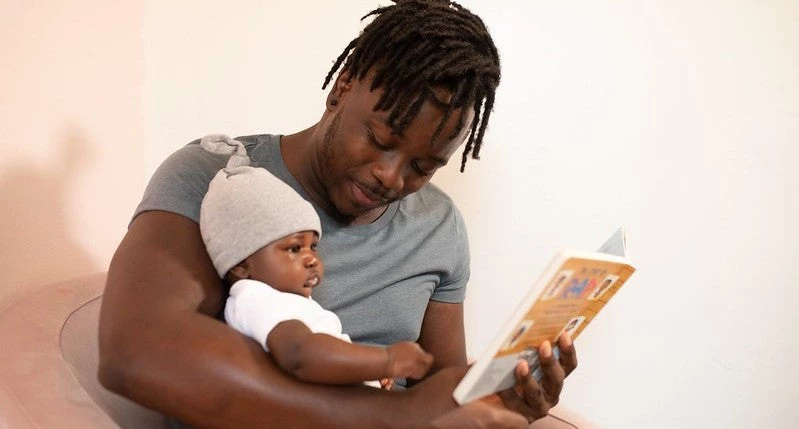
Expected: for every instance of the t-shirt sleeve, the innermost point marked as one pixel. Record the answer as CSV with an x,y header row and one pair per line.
x,y
452,288
180,183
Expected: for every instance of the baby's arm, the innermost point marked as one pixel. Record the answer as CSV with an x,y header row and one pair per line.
x,y
322,358
273,318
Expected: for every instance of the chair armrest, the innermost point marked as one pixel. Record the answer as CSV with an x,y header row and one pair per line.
x,y
561,417
38,388
49,354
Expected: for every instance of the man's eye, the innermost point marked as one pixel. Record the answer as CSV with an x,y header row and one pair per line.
x,y
376,143
423,170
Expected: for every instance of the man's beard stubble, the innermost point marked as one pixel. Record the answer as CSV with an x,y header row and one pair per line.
x,y
329,142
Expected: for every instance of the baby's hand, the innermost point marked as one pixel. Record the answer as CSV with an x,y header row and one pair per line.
x,y
407,359
386,383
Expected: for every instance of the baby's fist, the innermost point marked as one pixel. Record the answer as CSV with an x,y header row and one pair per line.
x,y
407,359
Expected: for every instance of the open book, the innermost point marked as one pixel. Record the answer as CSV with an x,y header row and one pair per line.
x,y
572,290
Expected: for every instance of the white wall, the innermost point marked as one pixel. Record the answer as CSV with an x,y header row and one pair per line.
x,y
71,157
679,120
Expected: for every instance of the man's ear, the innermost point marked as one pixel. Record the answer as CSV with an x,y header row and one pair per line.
x,y
341,87
239,272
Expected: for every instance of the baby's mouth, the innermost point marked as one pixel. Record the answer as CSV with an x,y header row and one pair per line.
x,y
312,281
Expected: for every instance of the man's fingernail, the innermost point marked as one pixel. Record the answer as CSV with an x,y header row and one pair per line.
x,y
567,340
546,350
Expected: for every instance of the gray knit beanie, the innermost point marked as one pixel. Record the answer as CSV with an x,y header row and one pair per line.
x,y
247,208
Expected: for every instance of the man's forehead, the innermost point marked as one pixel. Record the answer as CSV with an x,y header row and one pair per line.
x,y
439,102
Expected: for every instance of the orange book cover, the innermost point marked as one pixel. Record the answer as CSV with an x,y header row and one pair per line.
x,y
569,294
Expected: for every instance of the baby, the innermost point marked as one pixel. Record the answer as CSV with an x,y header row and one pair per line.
x,y
261,236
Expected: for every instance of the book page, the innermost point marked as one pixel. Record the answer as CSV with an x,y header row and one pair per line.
x,y
616,244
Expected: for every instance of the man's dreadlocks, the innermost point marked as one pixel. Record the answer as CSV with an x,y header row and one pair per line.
x,y
415,46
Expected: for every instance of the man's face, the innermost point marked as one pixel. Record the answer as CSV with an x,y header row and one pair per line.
x,y
289,264
365,166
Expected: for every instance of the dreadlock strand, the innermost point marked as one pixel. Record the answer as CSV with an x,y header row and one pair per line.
x,y
489,104
339,60
472,135
459,99
457,95
409,114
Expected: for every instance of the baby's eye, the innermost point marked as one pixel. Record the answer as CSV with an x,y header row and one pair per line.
x,y
313,247
295,249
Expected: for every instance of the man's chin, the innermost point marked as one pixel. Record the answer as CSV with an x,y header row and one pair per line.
x,y
357,214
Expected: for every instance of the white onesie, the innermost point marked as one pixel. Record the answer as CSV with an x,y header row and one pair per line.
x,y
254,308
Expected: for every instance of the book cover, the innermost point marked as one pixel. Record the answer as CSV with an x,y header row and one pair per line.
x,y
574,287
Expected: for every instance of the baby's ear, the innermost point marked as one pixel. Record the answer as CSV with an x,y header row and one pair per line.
x,y
239,272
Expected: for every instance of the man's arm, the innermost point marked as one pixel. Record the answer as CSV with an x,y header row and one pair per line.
x,y
322,358
442,334
160,346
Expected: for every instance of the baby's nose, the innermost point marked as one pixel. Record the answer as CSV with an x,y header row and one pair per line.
x,y
311,261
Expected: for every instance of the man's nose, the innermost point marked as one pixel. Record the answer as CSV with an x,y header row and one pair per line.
x,y
389,171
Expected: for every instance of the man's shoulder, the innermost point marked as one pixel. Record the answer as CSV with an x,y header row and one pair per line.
x,y
254,139
429,206
263,150
430,197
192,159
181,181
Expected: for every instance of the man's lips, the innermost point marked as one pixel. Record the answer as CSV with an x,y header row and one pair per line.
x,y
366,197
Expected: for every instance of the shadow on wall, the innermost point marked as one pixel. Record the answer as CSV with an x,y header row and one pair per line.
x,y
36,246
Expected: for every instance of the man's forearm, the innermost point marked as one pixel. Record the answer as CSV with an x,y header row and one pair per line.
x,y
228,381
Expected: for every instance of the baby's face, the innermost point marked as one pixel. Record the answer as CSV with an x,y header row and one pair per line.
x,y
289,264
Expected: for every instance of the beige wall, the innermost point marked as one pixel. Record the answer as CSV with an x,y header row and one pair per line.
x,y
71,160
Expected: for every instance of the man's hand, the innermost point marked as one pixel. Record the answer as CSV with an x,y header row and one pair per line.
x,y
478,415
433,396
407,359
532,399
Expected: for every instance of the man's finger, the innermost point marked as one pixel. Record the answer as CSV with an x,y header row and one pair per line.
x,y
513,400
568,354
552,383
527,397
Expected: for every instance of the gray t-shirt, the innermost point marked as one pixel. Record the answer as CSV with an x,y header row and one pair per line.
x,y
378,277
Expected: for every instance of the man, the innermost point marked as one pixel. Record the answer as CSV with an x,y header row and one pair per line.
x,y
416,84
